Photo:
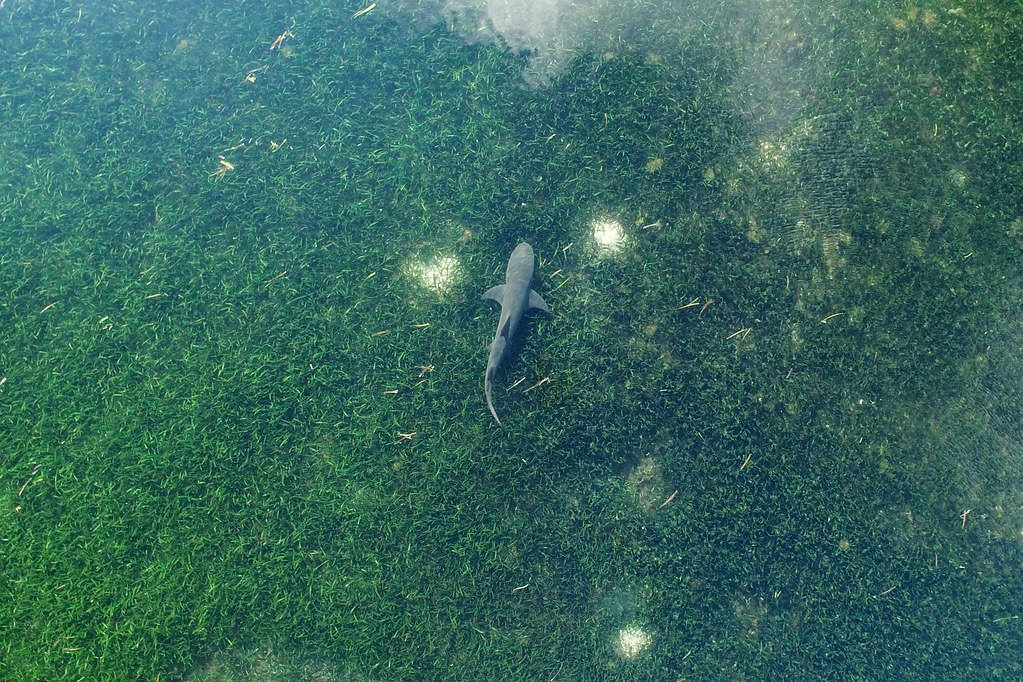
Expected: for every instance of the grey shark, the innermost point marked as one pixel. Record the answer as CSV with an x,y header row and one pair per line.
x,y
515,298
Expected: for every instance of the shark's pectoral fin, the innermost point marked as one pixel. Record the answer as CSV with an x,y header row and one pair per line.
x,y
494,294
535,301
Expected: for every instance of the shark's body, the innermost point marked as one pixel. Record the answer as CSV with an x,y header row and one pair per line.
x,y
515,298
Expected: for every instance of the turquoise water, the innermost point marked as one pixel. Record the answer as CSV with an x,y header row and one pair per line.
x,y
773,428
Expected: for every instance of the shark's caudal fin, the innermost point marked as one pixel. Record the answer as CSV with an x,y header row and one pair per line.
x,y
497,349
487,390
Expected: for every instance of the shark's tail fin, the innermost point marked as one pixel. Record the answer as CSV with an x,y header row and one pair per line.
x,y
487,390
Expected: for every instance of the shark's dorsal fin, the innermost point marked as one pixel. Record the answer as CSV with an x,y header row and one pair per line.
x,y
494,294
535,301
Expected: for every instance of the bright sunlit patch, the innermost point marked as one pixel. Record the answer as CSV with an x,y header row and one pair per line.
x,y
631,641
437,273
608,234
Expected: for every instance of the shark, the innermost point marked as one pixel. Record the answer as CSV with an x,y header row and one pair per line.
x,y
515,297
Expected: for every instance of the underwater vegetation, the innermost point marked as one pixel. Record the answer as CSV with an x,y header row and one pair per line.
x,y
772,427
